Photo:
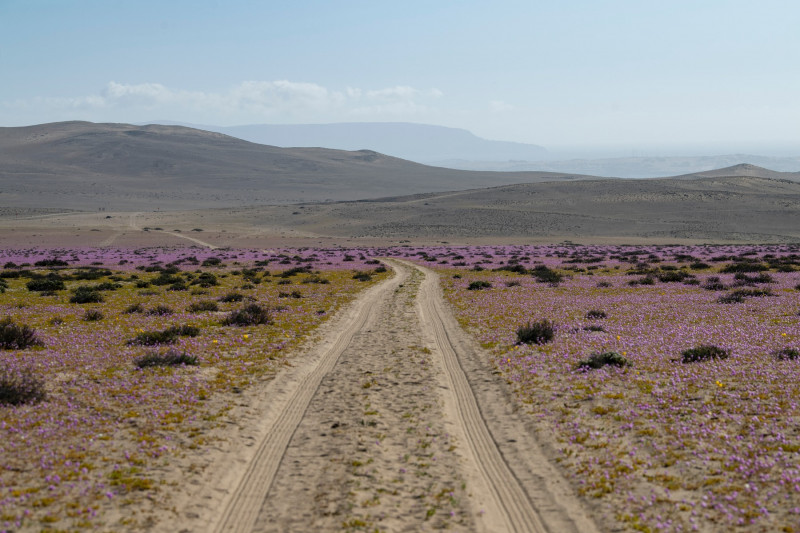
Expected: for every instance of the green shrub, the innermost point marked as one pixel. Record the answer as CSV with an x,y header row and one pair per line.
x,y
539,332
251,315
362,276
167,336
601,359
169,358
203,305
86,295
20,387
160,310
134,308
232,297
704,352
93,315
596,313
17,337
787,353
546,275
479,286
45,285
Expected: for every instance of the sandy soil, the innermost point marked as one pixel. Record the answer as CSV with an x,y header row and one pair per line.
x,y
389,420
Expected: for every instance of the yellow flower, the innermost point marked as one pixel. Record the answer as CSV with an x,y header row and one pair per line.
x,y
245,336
618,337
214,341
783,334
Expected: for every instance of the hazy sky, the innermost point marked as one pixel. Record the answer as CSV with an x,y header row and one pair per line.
x,y
545,72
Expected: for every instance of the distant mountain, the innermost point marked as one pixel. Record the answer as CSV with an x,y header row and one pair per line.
x,y
83,165
630,167
416,142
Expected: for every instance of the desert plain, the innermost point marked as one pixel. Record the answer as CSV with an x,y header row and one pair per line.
x,y
528,352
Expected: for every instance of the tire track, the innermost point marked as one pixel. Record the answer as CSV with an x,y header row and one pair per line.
x,y
538,501
241,511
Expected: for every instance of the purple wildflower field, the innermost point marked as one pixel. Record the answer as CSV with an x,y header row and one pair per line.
x,y
660,445
105,424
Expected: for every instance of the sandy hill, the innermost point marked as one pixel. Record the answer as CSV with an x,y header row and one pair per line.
x,y
727,209
82,165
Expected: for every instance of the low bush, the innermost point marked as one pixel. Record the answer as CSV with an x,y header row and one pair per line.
x,y
86,295
539,332
744,267
232,297
17,337
604,284
167,336
596,313
479,285
45,285
787,353
93,315
705,352
134,308
315,279
169,358
601,359
670,276
20,387
739,295
251,315
546,275
203,305
160,310
362,276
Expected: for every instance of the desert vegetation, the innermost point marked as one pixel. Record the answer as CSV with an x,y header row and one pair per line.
x,y
111,360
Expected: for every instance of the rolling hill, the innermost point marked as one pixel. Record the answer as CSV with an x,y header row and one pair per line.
x,y
82,165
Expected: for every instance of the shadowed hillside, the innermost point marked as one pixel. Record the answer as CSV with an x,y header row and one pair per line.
x,y
82,165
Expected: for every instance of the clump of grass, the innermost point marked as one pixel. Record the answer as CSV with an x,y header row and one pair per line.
x,y
787,353
593,328
251,315
479,286
601,359
169,358
203,305
604,284
160,310
704,352
539,332
513,283
86,295
596,313
17,337
167,336
232,297
93,315
20,387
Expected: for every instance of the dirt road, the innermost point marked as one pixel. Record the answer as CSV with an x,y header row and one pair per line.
x,y
391,422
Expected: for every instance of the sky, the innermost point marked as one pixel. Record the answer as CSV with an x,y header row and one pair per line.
x,y
554,73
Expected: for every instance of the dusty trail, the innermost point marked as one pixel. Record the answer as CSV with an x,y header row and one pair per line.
x,y
384,426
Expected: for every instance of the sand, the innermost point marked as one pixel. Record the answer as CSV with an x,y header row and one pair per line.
x,y
390,419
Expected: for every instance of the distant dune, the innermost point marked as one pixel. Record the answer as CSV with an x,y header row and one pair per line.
x,y
82,165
